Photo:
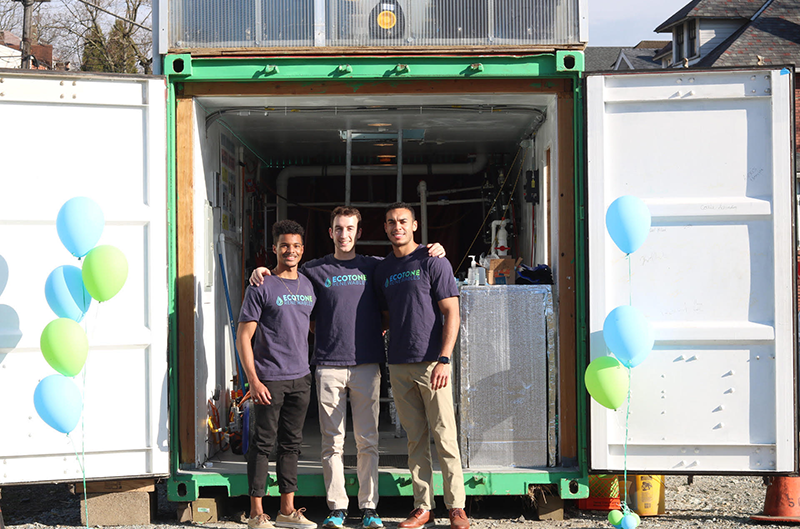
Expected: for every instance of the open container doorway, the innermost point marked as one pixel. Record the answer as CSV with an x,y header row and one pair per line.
x,y
463,156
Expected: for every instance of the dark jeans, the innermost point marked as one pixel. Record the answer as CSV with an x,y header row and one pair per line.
x,y
279,422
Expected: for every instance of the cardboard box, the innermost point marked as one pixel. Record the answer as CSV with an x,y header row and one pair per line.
x,y
201,510
502,271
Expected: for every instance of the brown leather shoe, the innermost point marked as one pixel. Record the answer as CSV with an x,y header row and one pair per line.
x,y
458,519
418,518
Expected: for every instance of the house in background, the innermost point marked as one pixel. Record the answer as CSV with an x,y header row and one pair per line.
x,y
11,54
719,33
646,55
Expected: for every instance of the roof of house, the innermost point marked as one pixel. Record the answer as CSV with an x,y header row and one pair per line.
x,y
771,39
9,39
731,9
665,51
657,44
599,58
640,58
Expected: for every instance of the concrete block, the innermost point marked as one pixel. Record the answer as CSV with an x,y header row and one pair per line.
x,y
118,508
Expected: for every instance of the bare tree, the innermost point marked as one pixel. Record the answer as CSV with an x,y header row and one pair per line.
x,y
111,30
10,15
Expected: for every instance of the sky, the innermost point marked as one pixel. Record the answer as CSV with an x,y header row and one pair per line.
x,y
626,22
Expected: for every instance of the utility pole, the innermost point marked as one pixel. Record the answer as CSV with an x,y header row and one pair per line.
x,y
27,23
27,29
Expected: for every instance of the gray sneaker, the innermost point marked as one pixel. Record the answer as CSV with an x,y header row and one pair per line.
x,y
260,522
296,520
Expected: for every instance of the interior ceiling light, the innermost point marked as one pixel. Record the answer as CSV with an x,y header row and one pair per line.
x,y
408,135
384,145
379,124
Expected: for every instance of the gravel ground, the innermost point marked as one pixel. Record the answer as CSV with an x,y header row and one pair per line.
x,y
710,501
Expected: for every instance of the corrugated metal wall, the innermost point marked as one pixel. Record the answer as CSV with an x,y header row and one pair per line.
x,y
198,24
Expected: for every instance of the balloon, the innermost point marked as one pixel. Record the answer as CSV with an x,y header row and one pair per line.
x,y
628,222
58,402
628,335
630,521
615,517
66,294
64,346
105,270
607,382
79,224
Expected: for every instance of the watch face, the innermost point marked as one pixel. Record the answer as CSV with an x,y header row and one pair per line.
x,y
444,360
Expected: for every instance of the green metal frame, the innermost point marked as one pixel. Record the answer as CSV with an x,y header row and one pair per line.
x,y
186,486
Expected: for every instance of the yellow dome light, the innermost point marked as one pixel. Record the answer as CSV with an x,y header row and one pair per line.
x,y
387,19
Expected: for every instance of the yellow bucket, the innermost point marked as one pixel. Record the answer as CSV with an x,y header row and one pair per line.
x,y
645,494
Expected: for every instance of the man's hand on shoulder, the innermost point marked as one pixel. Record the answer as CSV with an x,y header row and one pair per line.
x,y
436,250
257,277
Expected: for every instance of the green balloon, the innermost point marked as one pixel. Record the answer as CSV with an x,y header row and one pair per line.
x,y
64,346
607,382
615,517
104,272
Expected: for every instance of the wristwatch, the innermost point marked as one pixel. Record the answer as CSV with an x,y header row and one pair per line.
x,y
443,359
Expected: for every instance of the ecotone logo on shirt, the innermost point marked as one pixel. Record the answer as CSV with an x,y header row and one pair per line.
x,y
294,299
402,277
346,279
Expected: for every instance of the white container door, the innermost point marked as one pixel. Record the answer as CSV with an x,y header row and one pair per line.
x,y
710,154
101,137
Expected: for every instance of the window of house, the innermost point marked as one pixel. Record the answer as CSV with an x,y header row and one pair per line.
x,y
678,43
691,37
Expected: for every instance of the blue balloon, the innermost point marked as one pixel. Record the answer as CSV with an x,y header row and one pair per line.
x,y
628,335
628,222
66,294
58,402
80,223
629,522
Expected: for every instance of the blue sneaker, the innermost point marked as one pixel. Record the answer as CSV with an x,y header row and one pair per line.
x,y
335,519
370,519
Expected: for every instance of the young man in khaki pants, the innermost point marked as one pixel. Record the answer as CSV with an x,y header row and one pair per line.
x,y
421,296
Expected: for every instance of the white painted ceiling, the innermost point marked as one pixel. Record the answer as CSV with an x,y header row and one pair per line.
x,y
292,127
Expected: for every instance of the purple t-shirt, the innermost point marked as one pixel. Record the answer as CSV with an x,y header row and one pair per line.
x,y
282,308
347,314
411,288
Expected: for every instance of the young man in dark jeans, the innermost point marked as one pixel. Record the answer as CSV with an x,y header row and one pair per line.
x,y
277,314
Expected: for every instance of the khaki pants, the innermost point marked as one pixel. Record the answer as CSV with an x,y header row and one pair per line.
x,y
333,383
418,407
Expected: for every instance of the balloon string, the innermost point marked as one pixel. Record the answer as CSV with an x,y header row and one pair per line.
x,y
625,508
630,281
83,472
83,446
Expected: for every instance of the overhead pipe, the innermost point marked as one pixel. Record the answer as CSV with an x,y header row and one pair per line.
x,y
295,171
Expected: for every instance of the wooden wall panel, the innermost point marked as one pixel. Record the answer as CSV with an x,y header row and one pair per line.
x,y
567,317
185,265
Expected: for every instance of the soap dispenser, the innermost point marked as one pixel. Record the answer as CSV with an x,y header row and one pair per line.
x,y
476,275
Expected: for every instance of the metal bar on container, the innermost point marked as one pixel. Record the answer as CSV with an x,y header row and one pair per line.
x,y
452,191
319,23
259,33
348,168
387,204
400,165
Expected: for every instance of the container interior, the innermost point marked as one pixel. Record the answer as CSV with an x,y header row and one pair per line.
x,y
469,161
